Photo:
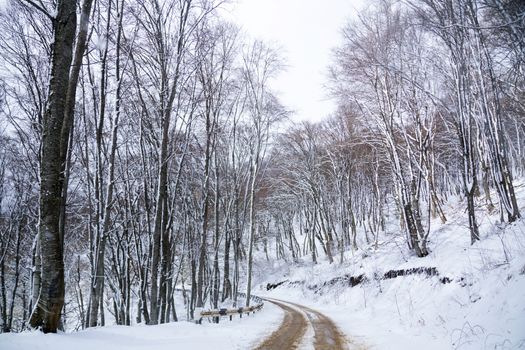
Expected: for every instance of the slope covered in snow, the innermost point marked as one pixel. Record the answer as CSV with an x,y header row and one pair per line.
x,y
460,296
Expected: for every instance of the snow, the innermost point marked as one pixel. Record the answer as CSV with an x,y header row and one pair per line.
x,y
239,334
482,306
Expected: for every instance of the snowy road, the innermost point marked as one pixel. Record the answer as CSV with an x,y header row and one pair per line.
x,y
292,333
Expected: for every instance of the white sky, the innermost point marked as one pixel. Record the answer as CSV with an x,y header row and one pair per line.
x,y
307,30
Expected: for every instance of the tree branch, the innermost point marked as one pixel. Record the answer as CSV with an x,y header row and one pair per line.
x,y
39,8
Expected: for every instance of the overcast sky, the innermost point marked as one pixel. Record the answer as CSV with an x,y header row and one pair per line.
x,y
307,30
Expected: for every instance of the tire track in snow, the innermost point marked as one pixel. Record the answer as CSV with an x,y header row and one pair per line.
x,y
291,332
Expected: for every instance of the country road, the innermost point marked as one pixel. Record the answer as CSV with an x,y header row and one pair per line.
x,y
297,319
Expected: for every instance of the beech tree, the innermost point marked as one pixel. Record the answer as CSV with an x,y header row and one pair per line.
x,y
56,125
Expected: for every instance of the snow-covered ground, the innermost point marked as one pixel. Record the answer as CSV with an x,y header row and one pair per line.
x,y
481,305
238,334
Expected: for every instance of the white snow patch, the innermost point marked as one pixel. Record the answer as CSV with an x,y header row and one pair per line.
x,y
483,306
238,334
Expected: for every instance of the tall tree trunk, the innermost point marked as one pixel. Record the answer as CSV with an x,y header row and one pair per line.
x,y
105,202
226,285
216,272
251,238
167,97
47,311
204,211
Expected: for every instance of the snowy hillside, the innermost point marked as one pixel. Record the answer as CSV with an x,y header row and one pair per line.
x,y
477,300
474,298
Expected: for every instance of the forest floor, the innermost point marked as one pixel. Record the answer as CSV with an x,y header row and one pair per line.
x,y
460,297
280,325
239,334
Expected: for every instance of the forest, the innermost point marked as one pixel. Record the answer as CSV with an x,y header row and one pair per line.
x,y
145,152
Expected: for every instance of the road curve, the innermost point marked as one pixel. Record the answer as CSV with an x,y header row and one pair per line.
x,y
291,331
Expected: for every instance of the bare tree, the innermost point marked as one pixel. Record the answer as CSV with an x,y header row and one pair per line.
x,y
260,64
56,131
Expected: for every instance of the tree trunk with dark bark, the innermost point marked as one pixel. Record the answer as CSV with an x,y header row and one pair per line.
x,y
48,308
